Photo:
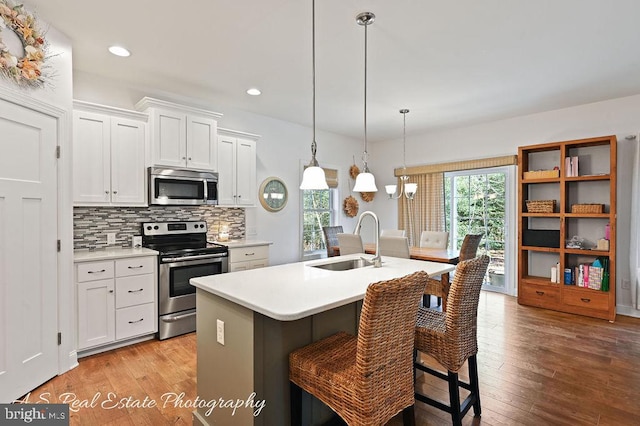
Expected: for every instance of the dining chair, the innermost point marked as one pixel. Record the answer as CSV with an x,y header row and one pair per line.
x,y
451,338
394,247
434,239
331,239
393,233
435,287
365,379
350,243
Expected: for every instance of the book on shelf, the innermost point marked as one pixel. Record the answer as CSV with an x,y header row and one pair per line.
x,y
571,166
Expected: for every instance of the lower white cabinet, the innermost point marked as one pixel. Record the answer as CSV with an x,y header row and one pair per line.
x,y
243,258
116,300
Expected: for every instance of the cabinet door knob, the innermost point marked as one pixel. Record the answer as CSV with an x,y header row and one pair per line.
x,y
115,192
184,158
106,192
110,291
189,158
540,293
585,300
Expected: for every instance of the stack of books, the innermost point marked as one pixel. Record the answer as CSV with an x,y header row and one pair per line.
x,y
587,275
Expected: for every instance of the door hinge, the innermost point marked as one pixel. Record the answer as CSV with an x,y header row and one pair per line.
x,y
58,151
59,338
59,245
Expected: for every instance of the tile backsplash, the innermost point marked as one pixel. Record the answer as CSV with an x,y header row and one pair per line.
x,y
91,224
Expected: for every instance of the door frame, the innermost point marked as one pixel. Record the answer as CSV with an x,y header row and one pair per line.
x,y
511,223
66,304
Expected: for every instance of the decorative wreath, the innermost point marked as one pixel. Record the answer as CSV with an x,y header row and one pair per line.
x,y
350,206
367,196
354,171
25,71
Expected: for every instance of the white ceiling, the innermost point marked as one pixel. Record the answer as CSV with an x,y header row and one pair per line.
x,y
451,63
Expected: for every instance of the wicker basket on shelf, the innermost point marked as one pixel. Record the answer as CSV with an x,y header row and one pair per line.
x,y
587,208
541,206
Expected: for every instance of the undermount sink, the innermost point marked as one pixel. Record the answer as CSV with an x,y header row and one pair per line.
x,y
343,265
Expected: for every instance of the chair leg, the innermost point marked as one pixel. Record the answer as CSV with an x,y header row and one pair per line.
x,y
295,393
475,387
408,416
454,398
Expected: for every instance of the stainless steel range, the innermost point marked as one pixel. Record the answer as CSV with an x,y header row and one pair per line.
x,y
184,254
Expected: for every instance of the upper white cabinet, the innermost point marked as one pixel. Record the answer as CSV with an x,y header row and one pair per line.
x,y
181,136
108,155
237,185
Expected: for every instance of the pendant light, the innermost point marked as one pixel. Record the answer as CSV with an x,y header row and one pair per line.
x,y
365,182
313,176
409,189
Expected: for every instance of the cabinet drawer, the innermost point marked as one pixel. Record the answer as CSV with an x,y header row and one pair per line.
x,y
135,320
92,271
586,299
134,290
135,266
248,253
539,295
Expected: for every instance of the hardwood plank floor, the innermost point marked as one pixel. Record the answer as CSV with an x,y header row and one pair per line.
x,y
536,367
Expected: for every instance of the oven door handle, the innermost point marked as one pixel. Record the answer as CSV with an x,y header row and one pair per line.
x,y
175,318
198,257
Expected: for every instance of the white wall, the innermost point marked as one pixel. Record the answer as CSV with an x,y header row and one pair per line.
x,y
58,93
281,150
619,117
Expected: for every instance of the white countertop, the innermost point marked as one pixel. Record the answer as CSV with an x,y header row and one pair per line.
x,y
244,243
111,253
296,290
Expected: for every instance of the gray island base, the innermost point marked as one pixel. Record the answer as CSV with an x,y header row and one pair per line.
x,y
267,313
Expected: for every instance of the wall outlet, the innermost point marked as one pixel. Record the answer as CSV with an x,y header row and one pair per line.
x,y
626,284
220,331
111,238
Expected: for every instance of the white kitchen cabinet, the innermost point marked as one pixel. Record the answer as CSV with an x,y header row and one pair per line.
x,y
181,136
244,258
108,156
237,186
116,301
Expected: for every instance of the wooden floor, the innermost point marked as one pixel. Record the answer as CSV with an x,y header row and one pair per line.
x,y
536,367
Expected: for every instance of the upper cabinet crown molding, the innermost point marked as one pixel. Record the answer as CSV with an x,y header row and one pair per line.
x,y
147,102
238,134
112,111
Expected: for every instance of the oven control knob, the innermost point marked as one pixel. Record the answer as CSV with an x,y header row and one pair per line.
x,y
156,227
201,226
149,228
195,226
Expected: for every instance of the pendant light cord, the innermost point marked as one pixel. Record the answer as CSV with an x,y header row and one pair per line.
x,y
365,96
313,62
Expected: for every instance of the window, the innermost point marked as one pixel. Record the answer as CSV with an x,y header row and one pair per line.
x,y
317,211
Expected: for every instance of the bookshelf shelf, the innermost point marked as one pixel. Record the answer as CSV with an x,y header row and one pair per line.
x,y
587,176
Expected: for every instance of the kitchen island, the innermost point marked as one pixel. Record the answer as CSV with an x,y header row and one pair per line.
x,y
248,322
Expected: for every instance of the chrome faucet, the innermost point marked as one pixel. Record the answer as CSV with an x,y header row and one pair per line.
x,y
377,260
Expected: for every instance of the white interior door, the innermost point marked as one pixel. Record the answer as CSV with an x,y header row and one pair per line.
x,y
28,255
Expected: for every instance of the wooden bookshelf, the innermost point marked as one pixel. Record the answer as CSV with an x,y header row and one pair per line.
x,y
595,183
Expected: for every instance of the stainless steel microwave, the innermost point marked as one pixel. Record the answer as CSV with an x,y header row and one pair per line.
x,y
178,187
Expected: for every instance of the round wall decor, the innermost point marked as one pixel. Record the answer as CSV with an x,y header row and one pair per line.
x,y
350,206
21,64
273,194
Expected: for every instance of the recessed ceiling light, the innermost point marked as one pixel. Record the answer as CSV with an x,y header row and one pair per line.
x,y
254,92
119,51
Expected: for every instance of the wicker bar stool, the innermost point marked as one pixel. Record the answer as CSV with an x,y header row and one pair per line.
x,y
451,338
468,250
366,379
